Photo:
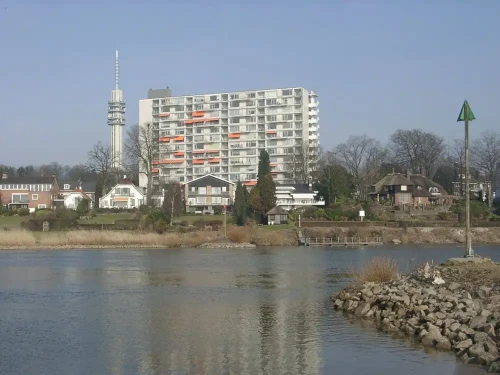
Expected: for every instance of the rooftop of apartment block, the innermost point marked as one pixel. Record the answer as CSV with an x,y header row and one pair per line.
x,y
154,93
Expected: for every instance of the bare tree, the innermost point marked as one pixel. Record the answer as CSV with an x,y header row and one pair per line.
x,y
301,164
141,147
100,161
485,155
456,154
416,149
172,201
362,156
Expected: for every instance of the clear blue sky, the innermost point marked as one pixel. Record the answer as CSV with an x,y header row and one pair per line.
x,y
376,65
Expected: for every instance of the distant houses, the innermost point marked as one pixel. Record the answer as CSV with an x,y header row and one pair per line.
x,y
40,192
409,190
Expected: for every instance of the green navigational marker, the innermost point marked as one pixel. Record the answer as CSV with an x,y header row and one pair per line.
x,y
467,115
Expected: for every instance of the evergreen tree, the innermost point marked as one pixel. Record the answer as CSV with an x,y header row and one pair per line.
x,y
263,195
240,204
267,192
264,167
246,194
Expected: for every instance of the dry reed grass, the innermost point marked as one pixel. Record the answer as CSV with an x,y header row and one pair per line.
x,y
239,234
84,238
378,270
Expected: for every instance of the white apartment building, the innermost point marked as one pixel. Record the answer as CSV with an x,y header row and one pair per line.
x,y
222,134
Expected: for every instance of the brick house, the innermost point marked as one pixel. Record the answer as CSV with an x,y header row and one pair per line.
x,y
28,192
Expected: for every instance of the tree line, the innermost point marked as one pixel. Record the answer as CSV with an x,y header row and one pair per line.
x,y
350,169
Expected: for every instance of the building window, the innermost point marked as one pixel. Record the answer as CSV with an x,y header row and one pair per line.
x,y
224,189
40,206
404,188
202,190
216,190
34,197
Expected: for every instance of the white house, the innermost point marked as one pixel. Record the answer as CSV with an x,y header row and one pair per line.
x,y
72,199
294,196
123,195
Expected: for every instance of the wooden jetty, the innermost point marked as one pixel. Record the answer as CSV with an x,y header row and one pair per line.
x,y
340,241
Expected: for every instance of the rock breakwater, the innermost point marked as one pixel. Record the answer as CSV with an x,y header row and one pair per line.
x,y
439,306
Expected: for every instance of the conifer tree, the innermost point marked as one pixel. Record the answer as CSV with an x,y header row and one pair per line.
x,y
240,204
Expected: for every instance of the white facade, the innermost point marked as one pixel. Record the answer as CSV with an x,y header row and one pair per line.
x,y
72,200
123,196
291,197
222,134
116,120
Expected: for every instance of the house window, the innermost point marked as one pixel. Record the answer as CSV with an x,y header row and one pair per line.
x,y
66,187
224,189
40,206
34,197
404,188
216,190
19,198
202,190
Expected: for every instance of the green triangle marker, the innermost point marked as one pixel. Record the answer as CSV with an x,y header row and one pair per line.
x,y
466,113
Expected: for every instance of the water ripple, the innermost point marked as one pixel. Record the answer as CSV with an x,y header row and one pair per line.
x,y
196,312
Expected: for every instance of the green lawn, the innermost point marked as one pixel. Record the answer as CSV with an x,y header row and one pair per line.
x,y
10,221
192,218
107,218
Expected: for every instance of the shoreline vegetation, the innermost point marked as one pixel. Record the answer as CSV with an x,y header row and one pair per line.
x,y
454,306
237,237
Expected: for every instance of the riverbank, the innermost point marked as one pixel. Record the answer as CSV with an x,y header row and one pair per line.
x,y
238,237
411,236
454,306
256,235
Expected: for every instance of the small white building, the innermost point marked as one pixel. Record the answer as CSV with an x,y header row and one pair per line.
x,y
72,199
295,196
124,195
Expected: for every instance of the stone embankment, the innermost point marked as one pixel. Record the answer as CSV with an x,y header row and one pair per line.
x,y
438,306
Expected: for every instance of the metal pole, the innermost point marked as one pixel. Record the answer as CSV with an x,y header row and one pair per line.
x,y
468,248
225,222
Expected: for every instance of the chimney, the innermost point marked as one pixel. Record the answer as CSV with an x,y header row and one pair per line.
x,y
310,184
408,174
5,176
392,170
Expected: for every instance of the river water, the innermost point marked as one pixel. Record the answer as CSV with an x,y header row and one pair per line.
x,y
194,311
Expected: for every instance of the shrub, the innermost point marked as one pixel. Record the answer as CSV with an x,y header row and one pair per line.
x,y
378,270
145,223
160,226
237,234
218,210
24,212
184,223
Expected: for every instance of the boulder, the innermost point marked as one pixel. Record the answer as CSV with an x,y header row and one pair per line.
x,y
487,359
361,310
453,286
476,350
463,344
477,321
494,367
443,344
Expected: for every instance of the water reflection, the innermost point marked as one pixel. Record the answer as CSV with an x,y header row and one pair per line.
x,y
194,312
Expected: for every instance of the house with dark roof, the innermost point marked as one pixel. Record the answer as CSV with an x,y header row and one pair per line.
x,y
75,188
33,192
277,216
203,194
294,196
410,189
